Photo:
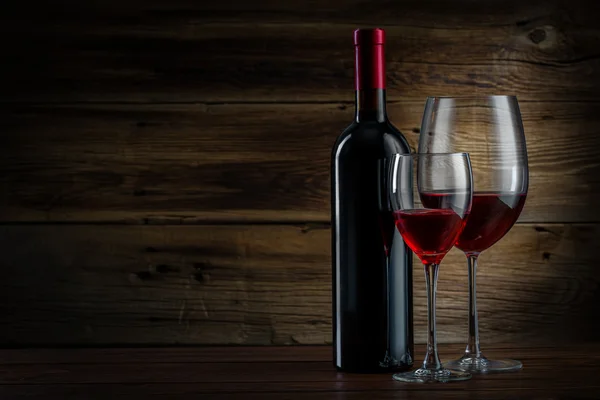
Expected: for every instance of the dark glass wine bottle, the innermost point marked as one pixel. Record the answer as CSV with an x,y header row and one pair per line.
x,y
372,294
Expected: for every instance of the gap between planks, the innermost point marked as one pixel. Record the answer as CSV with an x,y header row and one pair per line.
x,y
257,103
232,222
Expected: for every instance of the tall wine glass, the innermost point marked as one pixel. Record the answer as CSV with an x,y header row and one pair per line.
x,y
490,129
430,197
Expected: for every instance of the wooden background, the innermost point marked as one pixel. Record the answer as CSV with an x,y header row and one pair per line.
x,y
164,165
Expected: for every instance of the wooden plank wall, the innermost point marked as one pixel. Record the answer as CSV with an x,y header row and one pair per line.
x,y
164,165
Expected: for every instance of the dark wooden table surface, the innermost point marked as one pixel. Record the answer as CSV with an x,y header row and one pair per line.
x,y
278,373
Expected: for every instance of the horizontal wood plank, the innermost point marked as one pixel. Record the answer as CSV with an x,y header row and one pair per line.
x,y
257,354
185,391
197,163
249,375
137,373
98,285
184,51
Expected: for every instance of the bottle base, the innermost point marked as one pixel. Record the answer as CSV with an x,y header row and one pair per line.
x,y
374,370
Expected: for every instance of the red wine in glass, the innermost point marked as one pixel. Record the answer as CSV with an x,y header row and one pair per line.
x,y
430,233
491,129
491,217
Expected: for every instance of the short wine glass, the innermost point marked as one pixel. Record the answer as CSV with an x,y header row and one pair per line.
x,y
430,195
490,129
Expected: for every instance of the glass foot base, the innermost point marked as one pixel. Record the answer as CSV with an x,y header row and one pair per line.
x,y
422,375
481,365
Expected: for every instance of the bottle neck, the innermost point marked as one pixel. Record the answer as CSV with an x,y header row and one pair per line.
x,y
370,82
370,105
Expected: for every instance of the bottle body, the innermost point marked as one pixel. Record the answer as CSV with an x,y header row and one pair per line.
x,y
372,295
372,267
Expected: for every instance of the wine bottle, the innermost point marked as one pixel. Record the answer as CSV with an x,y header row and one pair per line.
x,y
372,266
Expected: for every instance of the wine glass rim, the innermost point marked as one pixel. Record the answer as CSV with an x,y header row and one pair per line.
x,y
415,155
475,97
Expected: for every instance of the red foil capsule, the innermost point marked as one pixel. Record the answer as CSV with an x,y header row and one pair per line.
x,y
370,60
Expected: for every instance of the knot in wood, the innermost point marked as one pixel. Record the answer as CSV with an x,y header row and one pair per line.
x,y
537,35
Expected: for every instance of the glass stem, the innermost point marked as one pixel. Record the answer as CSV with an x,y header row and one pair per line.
x,y
473,349
432,360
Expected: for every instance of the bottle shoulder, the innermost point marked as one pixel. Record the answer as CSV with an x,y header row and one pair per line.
x,y
350,129
369,134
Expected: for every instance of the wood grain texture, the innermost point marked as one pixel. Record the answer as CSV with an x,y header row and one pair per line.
x,y
194,112
189,51
261,392
234,372
99,285
190,163
257,354
214,376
